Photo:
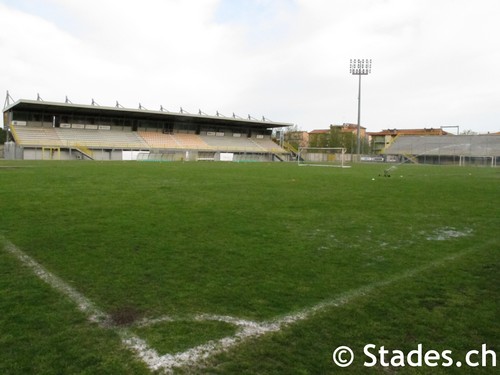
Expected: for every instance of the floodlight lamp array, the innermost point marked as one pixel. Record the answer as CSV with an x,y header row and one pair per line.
x,y
361,66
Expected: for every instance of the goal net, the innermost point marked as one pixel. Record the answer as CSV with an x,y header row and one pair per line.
x,y
323,157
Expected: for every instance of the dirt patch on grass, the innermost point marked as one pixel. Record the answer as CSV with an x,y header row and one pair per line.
x,y
125,315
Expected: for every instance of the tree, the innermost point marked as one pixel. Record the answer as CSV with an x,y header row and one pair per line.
x,y
339,138
294,136
3,136
468,132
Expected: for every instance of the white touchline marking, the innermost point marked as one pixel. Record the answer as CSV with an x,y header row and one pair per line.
x,y
84,304
196,355
148,355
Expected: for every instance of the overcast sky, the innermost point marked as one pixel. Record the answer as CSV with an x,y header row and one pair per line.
x,y
435,62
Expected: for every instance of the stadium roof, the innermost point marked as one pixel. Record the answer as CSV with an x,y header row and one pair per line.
x,y
96,110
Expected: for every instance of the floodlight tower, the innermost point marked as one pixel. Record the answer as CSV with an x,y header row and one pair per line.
x,y
360,67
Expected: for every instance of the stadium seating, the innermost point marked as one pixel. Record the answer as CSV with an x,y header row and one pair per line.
x,y
191,141
474,145
101,138
173,141
268,145
158,140
242,144
27,136
140,140
225,143
188,141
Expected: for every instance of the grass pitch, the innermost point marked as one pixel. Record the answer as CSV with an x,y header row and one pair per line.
x,y
250,241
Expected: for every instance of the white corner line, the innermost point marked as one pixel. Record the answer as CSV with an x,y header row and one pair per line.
x,y
195,356
131,341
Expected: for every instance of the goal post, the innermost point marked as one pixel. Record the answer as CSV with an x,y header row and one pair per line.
x,y
323,157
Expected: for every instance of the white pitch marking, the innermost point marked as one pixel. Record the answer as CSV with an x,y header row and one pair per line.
x,y
84,304
250,329
148,355
196,355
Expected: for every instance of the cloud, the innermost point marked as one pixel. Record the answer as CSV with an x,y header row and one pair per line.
x,y
40,57
433,61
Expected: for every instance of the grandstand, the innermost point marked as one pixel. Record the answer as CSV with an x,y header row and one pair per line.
x,y
49,130
446,149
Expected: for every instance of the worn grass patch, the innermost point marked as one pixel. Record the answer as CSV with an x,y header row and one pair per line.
x,y
125,315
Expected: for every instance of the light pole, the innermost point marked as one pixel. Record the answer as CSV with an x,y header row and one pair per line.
x,y
360,67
